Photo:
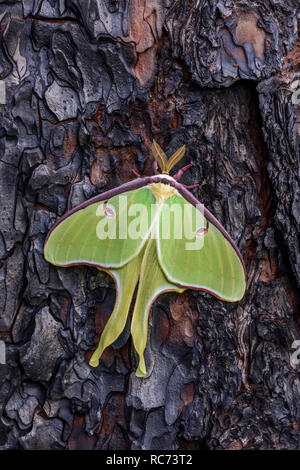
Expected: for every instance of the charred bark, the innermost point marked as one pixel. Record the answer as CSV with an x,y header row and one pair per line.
x,y
89,85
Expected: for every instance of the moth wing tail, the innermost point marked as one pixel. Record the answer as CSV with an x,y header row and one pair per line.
x,y
126,279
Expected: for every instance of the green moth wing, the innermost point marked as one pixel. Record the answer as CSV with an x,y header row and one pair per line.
x,y
205,259
152,283
78,239
126,279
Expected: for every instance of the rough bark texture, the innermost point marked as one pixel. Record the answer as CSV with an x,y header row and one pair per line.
x,y
89,84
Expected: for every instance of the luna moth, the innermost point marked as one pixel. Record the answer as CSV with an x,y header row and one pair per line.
x,y
96,233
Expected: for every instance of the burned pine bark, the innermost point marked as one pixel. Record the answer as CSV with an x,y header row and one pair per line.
x,y
89,84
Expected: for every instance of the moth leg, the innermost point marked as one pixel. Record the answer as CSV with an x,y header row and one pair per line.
x,y
126,279
181,171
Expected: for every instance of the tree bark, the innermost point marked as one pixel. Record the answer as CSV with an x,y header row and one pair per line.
x,y
89,85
